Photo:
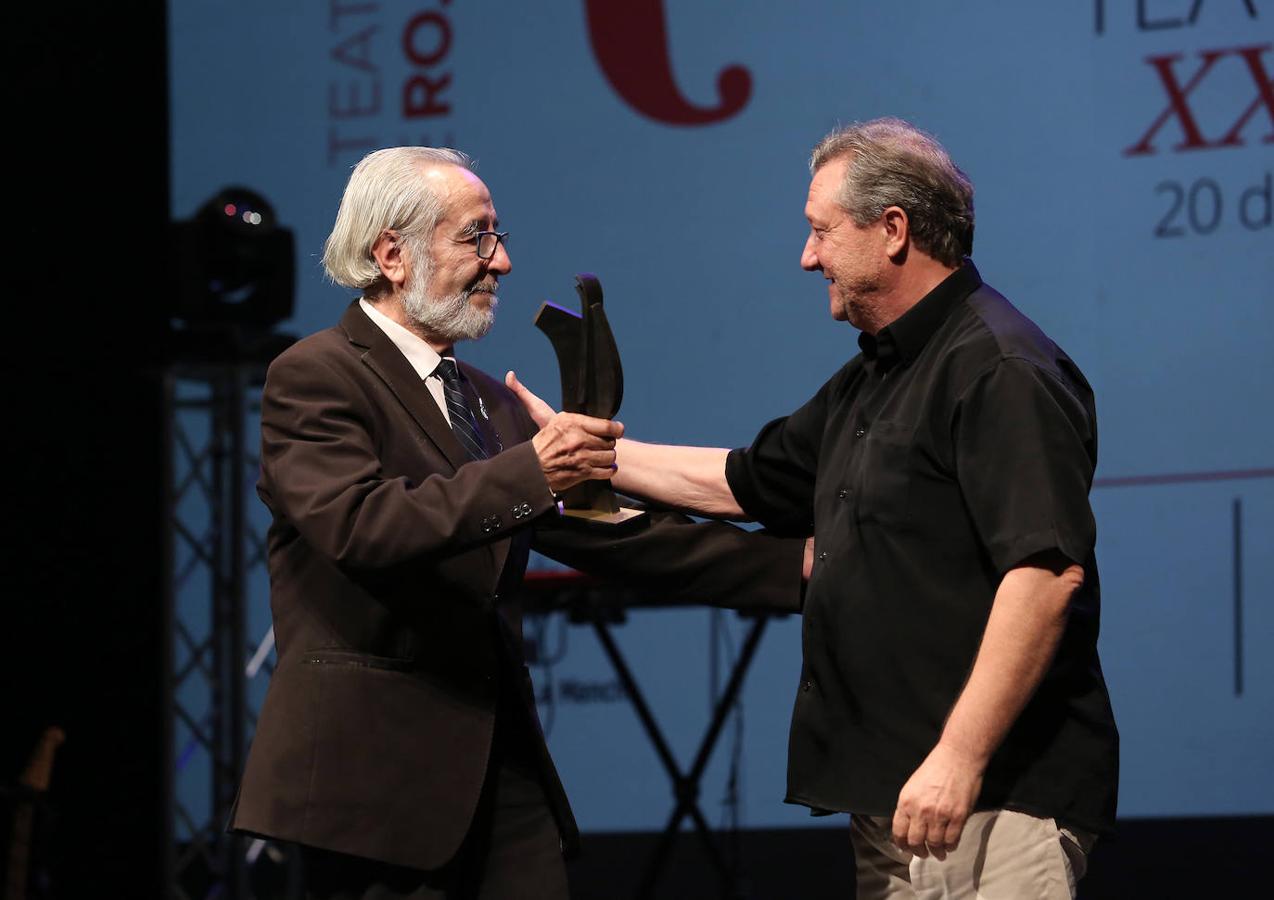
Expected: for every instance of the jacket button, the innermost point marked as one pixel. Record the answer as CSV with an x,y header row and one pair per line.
x,y
860,431
823,555
842,494
807,685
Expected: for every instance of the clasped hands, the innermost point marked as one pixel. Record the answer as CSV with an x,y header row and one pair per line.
x,y
572,448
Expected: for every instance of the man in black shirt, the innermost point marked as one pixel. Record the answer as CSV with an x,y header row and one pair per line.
x,y
951,697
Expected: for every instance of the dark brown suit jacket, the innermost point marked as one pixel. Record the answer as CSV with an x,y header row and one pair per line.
x,y
389,553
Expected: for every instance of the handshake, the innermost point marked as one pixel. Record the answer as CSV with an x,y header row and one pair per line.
x,y
574,448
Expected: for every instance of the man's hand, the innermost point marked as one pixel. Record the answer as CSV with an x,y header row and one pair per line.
x,y
936,801
540,411
689,478
807,561
1028,617
574,448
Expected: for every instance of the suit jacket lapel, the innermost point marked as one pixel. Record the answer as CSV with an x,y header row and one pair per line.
x,y
385,359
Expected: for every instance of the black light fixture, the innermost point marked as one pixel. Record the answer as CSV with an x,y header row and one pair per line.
x,y
235,265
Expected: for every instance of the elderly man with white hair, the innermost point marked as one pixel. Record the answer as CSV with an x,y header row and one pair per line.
x,y
399,743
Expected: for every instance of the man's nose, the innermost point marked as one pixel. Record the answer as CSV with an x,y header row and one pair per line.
x,y
499,263
809,258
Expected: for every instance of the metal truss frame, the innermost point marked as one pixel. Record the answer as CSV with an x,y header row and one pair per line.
x,y
216,563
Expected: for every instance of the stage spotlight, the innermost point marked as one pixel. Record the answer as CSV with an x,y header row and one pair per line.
x,y
235,266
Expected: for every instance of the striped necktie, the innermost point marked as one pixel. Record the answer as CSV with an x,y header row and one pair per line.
x,y
462,421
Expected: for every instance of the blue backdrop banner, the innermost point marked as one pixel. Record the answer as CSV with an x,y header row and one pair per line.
x,y
1121,154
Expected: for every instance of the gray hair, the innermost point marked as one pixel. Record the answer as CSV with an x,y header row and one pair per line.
x,y
385,191
893,163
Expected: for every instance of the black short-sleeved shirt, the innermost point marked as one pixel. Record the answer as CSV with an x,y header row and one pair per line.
x,y
958,443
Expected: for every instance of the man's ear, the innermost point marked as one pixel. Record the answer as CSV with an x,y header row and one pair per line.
x,y
897,231
388,253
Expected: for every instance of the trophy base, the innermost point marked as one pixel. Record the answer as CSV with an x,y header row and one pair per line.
x,y
624,516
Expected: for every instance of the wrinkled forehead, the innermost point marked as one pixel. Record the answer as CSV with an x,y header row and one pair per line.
x,y
463,194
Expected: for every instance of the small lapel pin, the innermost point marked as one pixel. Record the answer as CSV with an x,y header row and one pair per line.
x,y
482,408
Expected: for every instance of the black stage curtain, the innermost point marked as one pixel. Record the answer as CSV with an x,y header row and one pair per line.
x,y
86,192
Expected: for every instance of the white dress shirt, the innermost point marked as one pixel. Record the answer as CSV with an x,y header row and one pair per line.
x,y
423,358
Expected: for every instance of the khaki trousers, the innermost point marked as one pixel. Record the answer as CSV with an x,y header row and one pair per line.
x,y
1003,855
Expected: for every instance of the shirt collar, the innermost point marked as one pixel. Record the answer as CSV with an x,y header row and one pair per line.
x,y
423,358
907,335
880,349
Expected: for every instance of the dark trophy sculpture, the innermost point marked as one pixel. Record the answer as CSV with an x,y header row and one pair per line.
x,y
592,384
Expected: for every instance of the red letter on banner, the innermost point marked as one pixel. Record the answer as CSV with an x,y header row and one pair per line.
x,y
1264,95
420,94
630,41
1177,104
439,22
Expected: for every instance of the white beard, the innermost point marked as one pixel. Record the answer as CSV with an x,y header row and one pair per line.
x,y
453,318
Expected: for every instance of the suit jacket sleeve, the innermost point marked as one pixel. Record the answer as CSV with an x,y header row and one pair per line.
x,y
711,563
321,468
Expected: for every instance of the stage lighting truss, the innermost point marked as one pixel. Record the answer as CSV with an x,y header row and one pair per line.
x,y
221,645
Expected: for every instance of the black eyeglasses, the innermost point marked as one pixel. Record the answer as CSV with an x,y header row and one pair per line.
x,y
488,240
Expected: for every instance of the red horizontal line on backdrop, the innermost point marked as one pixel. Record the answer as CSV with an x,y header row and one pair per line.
x,y
1182,478
551,580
